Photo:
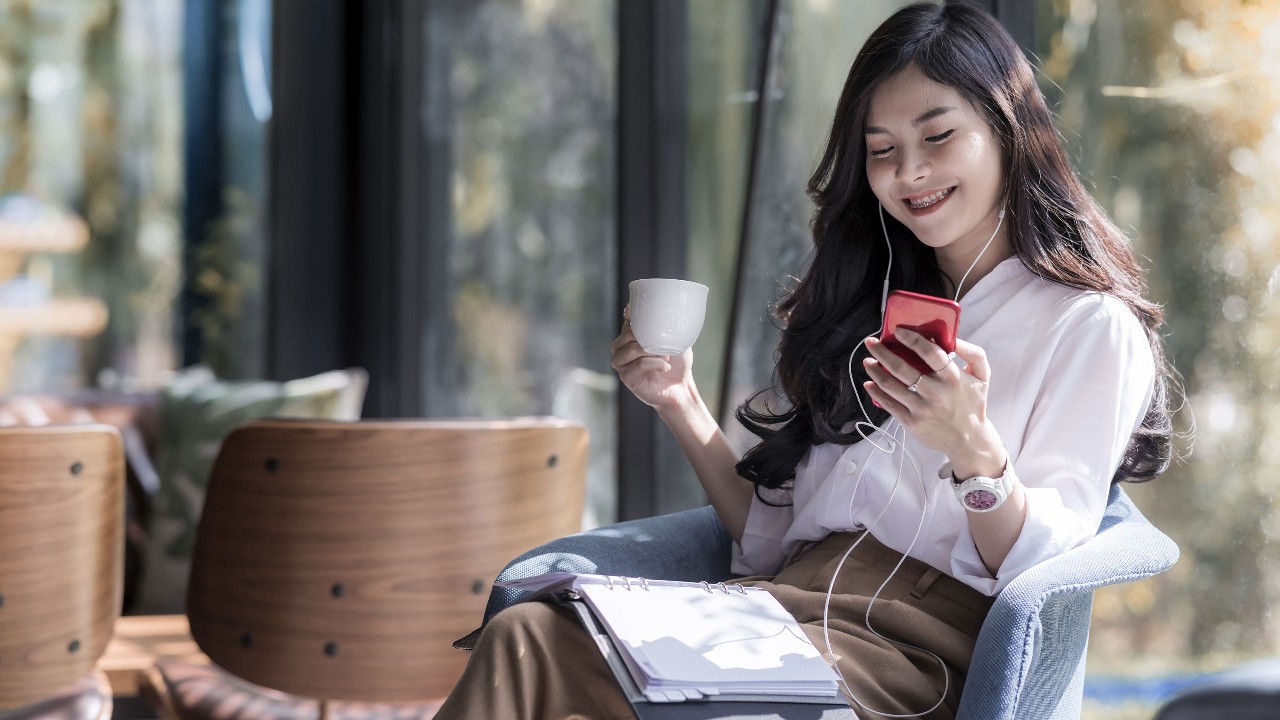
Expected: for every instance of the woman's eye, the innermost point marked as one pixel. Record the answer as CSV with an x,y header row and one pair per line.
x,y
881,153
940,137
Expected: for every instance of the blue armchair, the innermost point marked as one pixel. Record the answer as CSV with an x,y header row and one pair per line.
x,y
1030,657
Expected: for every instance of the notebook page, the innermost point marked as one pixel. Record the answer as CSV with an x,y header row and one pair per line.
x,y
711,641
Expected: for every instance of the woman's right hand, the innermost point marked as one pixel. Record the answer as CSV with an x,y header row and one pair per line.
x,y
660,381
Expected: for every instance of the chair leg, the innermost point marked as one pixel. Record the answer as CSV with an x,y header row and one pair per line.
x,y
155,691
104,690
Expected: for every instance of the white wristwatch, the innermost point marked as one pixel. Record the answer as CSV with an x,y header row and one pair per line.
x,y
983,494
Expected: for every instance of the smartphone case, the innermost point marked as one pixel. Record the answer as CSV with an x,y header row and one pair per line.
x,y
933,317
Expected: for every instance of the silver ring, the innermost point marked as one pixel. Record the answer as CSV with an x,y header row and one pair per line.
x,y
951,357
912,386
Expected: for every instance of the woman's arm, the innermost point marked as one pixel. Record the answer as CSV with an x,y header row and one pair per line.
x,y
947,411
1090,396
994,532
665,383
714,461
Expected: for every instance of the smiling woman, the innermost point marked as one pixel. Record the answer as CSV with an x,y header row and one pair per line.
x,y
936,167
939,134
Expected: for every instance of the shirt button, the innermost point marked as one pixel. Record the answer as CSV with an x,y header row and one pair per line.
x,y
851,467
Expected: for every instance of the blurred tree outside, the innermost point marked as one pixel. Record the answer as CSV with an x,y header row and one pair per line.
x,y
227,250
531,89
90,104
522,106
1172,113
815,42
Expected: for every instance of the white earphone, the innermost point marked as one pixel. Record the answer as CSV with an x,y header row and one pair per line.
x,y
884,290
867,429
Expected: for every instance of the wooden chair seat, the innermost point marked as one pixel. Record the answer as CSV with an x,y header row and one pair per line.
x,y
201,691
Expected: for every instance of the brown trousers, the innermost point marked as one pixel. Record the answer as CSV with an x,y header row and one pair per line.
x,y
534,661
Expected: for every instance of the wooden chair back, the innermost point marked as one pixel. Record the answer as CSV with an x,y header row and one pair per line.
x,y
62,514
339,560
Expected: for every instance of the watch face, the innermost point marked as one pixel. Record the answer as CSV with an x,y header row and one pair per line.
x,y
980,499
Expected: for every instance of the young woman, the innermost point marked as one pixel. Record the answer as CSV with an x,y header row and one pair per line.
x,y
942,175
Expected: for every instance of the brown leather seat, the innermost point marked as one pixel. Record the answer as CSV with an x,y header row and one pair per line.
x,y
195,691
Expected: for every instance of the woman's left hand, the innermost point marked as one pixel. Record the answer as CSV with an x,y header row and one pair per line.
x,y
946,409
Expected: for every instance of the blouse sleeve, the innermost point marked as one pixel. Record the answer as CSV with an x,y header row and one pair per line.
x,y
760,551
1094,395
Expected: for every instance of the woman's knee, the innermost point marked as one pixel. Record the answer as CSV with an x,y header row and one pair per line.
x,y
522,621
522,615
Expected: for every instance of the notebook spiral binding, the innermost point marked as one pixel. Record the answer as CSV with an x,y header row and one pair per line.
x,y
644,584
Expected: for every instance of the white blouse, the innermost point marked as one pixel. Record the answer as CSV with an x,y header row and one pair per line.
x,y
1071,380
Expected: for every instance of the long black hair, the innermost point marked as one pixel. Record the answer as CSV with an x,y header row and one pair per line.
x,y
1055,228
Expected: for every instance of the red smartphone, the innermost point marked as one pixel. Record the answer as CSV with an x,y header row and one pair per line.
x,y
933,317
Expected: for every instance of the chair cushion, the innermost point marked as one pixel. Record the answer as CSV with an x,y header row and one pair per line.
x,y
196,411
89,698
191,690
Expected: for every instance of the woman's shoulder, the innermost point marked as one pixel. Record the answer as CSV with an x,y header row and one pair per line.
x,y
1071,309
1092,311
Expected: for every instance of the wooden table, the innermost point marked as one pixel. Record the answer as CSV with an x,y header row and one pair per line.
x,y
139,641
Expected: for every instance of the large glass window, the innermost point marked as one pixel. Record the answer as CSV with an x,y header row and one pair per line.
x,y
90,164
98,240
227,151
725,48
814,42
525,94
1172,115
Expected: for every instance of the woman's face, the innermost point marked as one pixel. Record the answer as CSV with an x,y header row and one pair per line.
x,y
934,163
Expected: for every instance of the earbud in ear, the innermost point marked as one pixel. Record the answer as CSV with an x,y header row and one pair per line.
x,y
1002,214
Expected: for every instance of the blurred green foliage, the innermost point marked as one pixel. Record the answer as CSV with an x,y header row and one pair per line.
x,y
90,123
1171,110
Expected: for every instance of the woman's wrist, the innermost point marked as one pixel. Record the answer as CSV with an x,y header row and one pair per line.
x,y
985,456
684,404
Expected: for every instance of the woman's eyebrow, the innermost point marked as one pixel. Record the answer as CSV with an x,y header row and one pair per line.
x,y
924,118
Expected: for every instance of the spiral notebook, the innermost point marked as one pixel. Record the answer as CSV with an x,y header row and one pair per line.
x,y
670,641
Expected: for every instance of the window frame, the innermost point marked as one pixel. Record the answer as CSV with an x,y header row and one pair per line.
x,y
351,243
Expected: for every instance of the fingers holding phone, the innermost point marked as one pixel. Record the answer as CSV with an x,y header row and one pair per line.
x,y
920,332
944,408
901,372
915,377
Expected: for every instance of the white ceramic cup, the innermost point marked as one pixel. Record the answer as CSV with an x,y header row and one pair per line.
x,y
666,314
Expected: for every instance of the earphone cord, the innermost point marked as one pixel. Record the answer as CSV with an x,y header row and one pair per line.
x,y
983,251
867,429
884,290
826,607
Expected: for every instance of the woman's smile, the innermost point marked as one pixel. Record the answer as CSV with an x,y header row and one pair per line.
x,y
927,203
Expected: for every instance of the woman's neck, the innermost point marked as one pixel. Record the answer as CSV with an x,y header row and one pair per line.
x,y
969,262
